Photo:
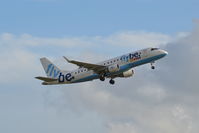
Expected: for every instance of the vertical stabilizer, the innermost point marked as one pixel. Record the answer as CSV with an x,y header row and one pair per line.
x,y
51,70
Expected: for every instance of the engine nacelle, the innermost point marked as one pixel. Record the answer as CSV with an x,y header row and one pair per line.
x,y
113,68
128,73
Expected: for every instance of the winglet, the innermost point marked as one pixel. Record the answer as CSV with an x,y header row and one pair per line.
x,y
66,59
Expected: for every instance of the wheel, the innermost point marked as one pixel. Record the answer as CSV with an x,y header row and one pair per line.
x,y
112,81
152,65
102,78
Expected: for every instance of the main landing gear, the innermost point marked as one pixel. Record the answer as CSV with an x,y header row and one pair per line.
x,y
112,81
152,65
102,77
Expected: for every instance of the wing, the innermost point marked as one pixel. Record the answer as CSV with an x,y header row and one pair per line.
x,y
95,67
46,79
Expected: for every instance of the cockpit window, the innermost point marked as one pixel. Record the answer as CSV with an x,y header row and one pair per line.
x,y
154,49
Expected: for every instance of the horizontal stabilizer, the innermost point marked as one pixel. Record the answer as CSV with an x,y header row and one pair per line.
x,y
46,79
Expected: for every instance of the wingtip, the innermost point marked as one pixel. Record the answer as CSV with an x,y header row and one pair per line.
x,y
66,59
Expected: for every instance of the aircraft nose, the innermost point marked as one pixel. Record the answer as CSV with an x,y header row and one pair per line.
x,y
165,52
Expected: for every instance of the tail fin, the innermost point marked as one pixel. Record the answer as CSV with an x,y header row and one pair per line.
x,y
51,70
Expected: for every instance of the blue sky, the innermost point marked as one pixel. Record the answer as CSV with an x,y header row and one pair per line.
x,y
164,100
91,17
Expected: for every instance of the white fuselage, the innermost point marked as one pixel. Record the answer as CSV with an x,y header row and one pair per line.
x,y
125,62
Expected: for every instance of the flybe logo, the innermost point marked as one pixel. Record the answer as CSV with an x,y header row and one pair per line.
x,y
67,77
131,57
135,56
51,71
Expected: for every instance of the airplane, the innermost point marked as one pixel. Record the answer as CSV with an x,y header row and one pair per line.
x,y
120,66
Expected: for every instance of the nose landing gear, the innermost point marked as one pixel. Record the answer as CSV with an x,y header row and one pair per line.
x,y
152,65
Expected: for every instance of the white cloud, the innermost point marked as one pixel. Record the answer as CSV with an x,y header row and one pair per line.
x,y
139,39
29,40
124,39
26,49
164,100
17,66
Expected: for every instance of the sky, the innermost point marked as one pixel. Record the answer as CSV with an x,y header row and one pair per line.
x,y
152,101
58,18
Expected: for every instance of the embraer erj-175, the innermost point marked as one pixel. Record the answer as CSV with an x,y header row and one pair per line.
x,y
120,66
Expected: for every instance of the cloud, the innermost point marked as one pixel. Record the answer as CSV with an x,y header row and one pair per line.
x,y
139,38
164,100
128,39
121,128
29,40
27,49
17,66
152,92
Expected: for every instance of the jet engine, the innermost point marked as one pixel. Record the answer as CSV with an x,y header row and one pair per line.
x,y
113,68
126,74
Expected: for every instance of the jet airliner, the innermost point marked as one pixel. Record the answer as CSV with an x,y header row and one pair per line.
x,y
120,66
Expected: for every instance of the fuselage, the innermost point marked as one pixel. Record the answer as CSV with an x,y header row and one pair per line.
x,y
124,62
